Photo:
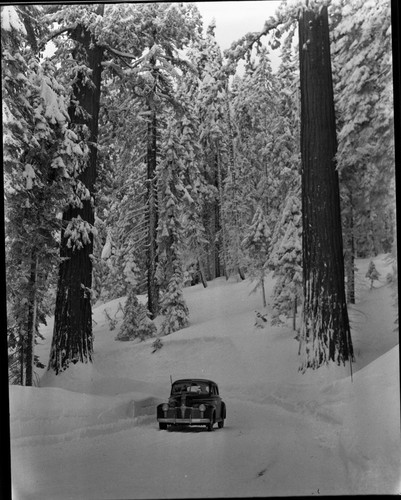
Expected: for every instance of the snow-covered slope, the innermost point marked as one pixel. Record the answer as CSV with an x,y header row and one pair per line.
x,y
91,431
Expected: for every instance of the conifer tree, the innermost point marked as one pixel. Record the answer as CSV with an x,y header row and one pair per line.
x,y
362,76
213,134
372,273
72,337
38,152
286,260
170,234
257,243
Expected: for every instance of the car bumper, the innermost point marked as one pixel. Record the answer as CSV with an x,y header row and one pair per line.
x,y
188,421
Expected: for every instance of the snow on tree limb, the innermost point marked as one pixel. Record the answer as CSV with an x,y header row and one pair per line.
x,y
10,20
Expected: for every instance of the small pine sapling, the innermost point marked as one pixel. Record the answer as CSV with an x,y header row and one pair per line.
x,y
136,323
257,243
112,321
157,344
372,274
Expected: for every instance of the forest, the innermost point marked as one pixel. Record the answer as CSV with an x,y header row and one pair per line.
x,y
139,161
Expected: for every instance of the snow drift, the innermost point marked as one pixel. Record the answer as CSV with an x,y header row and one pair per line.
x,y
91,432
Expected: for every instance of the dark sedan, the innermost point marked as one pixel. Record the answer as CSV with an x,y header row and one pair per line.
x,y
192,402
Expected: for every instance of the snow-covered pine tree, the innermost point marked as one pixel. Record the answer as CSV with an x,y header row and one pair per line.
x,y
72,336
38,152
134,99
257,244
195,244
266,124
136,323
172,198
363,92
163,30
121,198
372,273
213,134
286,260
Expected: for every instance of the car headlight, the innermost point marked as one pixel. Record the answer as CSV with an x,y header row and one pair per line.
x,y
202,407
165,407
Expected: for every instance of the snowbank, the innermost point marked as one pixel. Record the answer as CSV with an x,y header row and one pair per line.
x,y
370,430
91,432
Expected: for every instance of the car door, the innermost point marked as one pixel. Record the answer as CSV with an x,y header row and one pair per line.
x,y
217,400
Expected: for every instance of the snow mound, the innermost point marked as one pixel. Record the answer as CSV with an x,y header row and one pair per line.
x,y
370,430
52,414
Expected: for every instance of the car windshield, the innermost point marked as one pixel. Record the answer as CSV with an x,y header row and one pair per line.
x,y
192,388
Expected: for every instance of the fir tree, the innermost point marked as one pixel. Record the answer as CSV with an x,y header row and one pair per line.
x,y
372,273
286,260
39,150
257,244
170,233
211,114
72,336
363,82
136,323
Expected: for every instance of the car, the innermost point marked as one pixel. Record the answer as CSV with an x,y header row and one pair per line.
x,y
192,402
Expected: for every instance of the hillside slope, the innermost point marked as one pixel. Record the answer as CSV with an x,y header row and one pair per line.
x,y
91,432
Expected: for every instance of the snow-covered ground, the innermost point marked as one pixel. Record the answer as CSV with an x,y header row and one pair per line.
x,y
91,432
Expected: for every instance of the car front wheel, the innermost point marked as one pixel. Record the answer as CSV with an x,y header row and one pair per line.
x,y
162,426
221,423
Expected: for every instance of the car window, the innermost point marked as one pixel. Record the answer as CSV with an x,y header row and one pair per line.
x,y
178,388
193,388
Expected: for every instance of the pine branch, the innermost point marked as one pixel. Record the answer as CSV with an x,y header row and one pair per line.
x,y
244,45
55,34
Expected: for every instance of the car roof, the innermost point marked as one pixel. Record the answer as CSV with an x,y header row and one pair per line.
x,y
189,380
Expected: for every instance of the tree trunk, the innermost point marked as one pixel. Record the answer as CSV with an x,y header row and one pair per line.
x,y
31,326
22,358
262,282
350,253
294,319
202,274
236,243
153,289
325,330
72,335
221,215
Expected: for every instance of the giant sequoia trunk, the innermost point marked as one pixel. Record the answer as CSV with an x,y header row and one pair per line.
x,y
72,335
325,331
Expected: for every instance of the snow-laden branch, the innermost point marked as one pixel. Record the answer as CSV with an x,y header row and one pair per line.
x,y
55,34
285,15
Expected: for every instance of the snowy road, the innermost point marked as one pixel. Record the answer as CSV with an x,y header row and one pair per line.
x,y
263,449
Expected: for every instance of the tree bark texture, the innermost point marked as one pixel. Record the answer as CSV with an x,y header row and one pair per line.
x,y
350,253
72,335
211,221
31,326
221,215
153,289
325,331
